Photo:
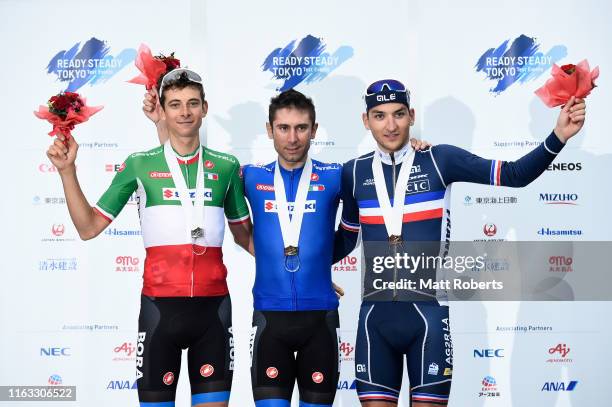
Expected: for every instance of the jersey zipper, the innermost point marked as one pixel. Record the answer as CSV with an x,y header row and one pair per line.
x,y
293,291
192,253
394,246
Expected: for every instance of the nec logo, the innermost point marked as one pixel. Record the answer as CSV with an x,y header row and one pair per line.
x,y
54,351
488,353
385,98
271,206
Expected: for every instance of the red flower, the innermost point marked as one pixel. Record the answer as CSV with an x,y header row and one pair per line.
x,y
569,68
567,81
152,68
64,111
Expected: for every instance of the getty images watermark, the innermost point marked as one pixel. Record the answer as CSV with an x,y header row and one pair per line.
x,y
486,270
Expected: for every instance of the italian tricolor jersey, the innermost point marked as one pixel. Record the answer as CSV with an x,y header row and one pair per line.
x,y
172,267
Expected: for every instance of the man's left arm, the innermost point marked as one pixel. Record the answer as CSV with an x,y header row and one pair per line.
x,y
458,165
237,212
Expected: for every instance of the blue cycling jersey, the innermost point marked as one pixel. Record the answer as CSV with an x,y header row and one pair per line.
x,y
426,215
309,288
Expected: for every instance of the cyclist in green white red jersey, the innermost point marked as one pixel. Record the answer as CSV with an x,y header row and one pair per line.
x,y
184,191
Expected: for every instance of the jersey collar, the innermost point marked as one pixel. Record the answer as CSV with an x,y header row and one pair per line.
x,y
398,155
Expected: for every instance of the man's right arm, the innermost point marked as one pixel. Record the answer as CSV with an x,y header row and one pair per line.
x,y
87,221
152,109
347,234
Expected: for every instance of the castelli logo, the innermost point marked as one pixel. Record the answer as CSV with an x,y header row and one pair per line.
x,y
169,378
314,177
209,164
489,229
272,372
58,230
207,370
317,377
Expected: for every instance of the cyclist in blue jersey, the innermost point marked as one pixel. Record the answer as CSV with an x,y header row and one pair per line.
x,y
396,322
294,201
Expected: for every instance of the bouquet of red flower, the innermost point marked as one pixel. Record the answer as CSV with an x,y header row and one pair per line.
x,y
152,67
64,111
567,81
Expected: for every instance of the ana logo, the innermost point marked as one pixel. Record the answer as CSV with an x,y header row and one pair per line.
x,y
272,372
347,385
560,264
565,167
207,370
314,176
209,164
308,62
264,187
58,229
520,62
317,377
168,378
559,199
121,385
559,386
433,369
488,353
90,63
309,206
55,380
489,229
157,174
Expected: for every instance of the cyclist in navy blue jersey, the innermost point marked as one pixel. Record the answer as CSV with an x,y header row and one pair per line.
x,y
397,197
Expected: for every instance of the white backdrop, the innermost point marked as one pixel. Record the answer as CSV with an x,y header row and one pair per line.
x,y
61,293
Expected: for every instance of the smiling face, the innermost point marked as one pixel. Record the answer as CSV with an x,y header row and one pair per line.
x,y
183,111
390,125
291,129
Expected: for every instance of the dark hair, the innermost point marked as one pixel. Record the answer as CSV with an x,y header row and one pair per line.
x,y
293,99
181,83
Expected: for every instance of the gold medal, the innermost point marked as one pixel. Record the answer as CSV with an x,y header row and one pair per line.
x,y
395,239
291,251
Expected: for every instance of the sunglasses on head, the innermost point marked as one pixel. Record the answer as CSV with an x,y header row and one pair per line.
x,y
385,84
175,74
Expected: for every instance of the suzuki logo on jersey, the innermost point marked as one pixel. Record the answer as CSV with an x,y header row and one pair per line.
x,y
560,386
271,206
488,353
172,194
